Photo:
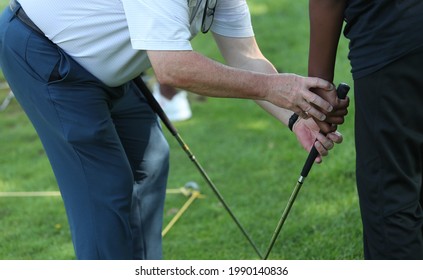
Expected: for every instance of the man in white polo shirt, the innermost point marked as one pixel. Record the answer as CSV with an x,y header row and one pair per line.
x,y
71,66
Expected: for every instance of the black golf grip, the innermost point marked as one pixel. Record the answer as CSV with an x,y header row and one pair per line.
x,y
342,91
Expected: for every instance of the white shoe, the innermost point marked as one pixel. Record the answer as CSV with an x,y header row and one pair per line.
x,y
177,108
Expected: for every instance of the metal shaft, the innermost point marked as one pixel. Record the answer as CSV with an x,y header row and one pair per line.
x,y
342,91
162,115
284,216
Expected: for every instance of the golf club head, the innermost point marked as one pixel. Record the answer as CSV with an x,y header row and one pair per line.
x,y
192,185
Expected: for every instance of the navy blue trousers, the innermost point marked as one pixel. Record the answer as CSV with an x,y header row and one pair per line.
x,y
389,145
105,146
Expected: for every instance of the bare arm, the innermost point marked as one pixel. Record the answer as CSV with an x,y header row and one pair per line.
x,y
326,19
192,71
244,53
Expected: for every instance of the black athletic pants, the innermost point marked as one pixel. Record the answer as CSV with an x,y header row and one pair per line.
x,y
389,146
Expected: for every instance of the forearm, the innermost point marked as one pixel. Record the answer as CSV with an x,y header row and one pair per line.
x,y
326,19
247,75
192,71
249,57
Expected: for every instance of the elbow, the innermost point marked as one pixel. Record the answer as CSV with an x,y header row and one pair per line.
x,y
169,68
166,78
173,78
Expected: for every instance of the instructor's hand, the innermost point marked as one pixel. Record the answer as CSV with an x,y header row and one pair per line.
x,y
337,115
294,92
307,131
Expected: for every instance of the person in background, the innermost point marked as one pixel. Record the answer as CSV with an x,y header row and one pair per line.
x,y
386,55
173,101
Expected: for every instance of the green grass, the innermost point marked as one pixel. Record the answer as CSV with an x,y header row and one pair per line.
x,y
252,159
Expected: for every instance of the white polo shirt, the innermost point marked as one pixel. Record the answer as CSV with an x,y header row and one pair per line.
x,y
110,37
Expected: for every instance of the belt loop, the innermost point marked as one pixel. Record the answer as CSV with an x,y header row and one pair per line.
x,y
17,10
14,5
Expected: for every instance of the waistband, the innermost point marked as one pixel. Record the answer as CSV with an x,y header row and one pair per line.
x,y
23,17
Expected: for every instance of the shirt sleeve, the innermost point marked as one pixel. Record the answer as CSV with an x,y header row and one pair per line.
x,y
232,19
158,24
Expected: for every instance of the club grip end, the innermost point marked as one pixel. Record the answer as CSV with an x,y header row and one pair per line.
x,y
342,90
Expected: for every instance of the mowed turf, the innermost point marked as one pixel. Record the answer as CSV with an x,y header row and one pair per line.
x,y
252,159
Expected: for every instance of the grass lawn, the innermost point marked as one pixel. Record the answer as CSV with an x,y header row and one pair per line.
x,y
252,159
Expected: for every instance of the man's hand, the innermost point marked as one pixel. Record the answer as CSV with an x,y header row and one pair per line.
x,y
337,115
307,131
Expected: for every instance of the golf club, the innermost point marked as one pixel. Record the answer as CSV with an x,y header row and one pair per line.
x,y
162,115
342,91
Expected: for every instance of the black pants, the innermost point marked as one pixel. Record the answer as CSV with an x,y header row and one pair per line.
x,y
389,146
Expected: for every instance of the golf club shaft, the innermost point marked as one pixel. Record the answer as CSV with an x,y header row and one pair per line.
x,y
283,218
342,91
162,115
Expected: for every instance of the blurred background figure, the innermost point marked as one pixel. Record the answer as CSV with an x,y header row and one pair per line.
x,y
173,101
5,102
